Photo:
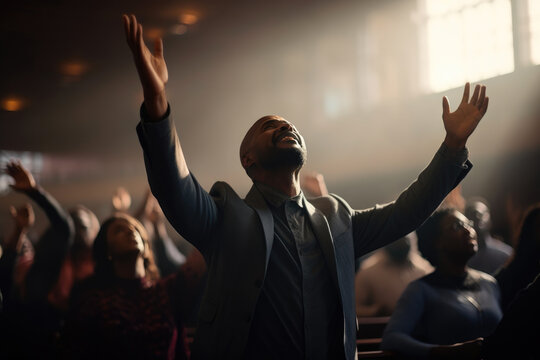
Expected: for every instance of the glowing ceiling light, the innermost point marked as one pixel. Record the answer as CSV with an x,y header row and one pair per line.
x,y
73,68
12,103
188,18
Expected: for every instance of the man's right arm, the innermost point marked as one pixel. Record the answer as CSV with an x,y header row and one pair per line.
x,y
189,208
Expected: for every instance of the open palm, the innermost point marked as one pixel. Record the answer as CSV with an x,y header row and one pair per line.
x,y
23,179
150,66
460,124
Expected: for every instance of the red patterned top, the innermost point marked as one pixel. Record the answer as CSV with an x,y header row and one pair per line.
x,y
128,319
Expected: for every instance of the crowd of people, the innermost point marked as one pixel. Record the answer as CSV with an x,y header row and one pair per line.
x,y
88,291
275,275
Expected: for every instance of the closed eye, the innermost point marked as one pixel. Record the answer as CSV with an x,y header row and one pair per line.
x,y
271,124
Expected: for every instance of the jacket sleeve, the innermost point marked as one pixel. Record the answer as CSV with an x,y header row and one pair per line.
x,y
376,227
52,247
188,207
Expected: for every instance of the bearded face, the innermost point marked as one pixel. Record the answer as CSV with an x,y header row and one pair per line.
x,y
273,143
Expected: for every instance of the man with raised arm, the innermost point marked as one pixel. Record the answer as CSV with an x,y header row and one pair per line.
x,y
280,268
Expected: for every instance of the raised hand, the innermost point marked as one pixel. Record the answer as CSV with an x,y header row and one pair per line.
x,y
121,200
314,184
23,217
460,124
151,67
24,180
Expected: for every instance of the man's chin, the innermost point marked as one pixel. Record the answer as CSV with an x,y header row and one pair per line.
x,y
292,156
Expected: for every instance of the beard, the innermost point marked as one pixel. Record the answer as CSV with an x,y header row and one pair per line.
x,y
283,158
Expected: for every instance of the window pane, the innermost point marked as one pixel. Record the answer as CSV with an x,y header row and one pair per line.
x,y
534,23
467,40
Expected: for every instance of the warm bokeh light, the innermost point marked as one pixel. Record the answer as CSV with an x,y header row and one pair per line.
x,y
153,33
13,103
179,29
189,18
74,68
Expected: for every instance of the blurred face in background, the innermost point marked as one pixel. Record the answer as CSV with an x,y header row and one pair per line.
x,y
457,241
123,238
86,225
478,213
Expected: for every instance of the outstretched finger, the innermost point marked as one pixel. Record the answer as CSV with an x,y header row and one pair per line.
x,y
476,92
126,22
140,38
465,98
482,97
484,107
158,48
15,167
133,29
10,168
445,106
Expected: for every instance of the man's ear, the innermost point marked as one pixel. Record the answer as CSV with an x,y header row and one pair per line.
x,y
247,160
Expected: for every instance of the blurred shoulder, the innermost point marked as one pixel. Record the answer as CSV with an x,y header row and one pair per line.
x,y
482,277
331,205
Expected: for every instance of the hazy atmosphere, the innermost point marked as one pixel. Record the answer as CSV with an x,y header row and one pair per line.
x,y
361,80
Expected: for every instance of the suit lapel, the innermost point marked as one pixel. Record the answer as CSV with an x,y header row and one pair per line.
x,y
322,233
255,199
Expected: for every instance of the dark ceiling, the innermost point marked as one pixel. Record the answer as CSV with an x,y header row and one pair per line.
x,y
65,59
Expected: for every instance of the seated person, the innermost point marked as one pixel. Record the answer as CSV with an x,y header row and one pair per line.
x,y
384,276
492,253
451,305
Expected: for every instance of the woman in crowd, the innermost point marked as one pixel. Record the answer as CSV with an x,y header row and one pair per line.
x,y
124,310
453,304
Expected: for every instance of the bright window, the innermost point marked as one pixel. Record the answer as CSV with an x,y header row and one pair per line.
x,y
534,24
467,40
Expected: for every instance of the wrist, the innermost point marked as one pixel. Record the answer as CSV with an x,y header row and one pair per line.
x,y
156,105
454,144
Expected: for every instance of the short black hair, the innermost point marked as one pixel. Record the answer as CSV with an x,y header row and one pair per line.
x,y
429,232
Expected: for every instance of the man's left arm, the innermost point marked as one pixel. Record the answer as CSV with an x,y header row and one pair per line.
x,y
376,227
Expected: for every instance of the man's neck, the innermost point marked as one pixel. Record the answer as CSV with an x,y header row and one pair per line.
x,y
285,182
452,268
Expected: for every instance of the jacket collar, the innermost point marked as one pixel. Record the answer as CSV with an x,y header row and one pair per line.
x,y
318,222
255,199
321,230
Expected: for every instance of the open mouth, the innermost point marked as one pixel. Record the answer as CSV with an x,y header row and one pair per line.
x,y
287,137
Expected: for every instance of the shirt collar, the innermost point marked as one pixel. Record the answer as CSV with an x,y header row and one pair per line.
x,y
276,198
